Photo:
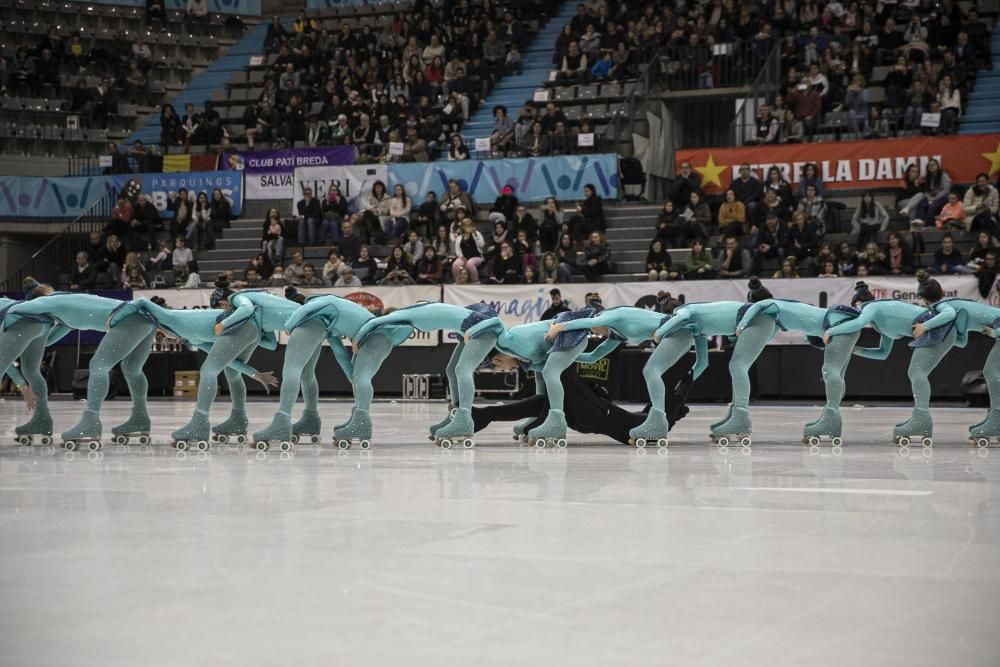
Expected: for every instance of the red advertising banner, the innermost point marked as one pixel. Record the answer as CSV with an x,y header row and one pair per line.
x,y
849,164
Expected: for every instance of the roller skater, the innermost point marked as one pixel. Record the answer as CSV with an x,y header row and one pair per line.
x,y
318,318
813,321
252,318
933,333
477,327
638,325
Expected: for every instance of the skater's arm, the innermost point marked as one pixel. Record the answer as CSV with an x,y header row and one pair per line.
x,y
605,319
879,353
604,349
235,364
56,334
752,312
244,311
268,340
485,325
14,375
851,326
675,323
21,384
305,312
342,356
945,315
375,323
700,357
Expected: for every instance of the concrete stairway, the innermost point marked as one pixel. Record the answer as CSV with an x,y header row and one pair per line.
x,y
982,115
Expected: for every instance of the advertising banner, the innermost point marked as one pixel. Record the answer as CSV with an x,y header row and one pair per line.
x,y
269,174
355,182
41,197
160,187
533,179
849,165
375,299
522,304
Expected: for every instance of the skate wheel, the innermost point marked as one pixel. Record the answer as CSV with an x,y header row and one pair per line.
x,y
516,437
70,445
119,439
836,441
813,441
640,443
94,455
365,444
295,439
561,443
241,439
903,441
343,444
446,444
24,439
94,445
723,441
982,442
468,443
927,441
262,446
540,443
285,446
314,439
181,445
663,443
45,440
745,441
202,446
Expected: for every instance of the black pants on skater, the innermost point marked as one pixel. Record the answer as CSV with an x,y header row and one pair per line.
x,y
587,411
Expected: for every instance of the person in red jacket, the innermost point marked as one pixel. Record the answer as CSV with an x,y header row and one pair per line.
x,y
807,105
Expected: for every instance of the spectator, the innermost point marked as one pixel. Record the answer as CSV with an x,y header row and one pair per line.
x,y
295,270
170,127
364,267
144,223
551,272
876,125
121,218
776,181
505,204
189,126
574,65
456,201
551,225
262,265
200,227
463,277
802,241
815,209
458,150
856,104
699,264
566,254
312,229
333,268
399,268
414,247
134,279
734,261
846,260
787,270
273,237
747,190
871,258
350,242
698,215
590,216
556,305
927,203
428,215
948,258
771,242
984,244
524,222
765,129
523,248
684,184
309,277
535,142
828,269
414,147
252,278
277,278
506,267
181,255
429,270
529,276
732,215
658,262
183,212
348,279
96,249
897,259
952,215
870,218
810,176
807,104
670,228
84,274
981,205
596,257
221,213
792,130
503,130
950,100
334,212
398,221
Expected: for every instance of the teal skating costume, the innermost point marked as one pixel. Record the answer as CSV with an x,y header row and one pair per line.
x,y
254,317
26,338
893,320
528,343
973,316
638,325
812,321
720,319
327,317
477,327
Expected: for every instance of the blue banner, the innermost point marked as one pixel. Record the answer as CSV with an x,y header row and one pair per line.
x,y
533,179
41,197
242,7
335,4
160,187
270,173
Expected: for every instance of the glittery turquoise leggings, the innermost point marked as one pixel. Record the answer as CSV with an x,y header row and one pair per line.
x,y
922,362
26,340
129,342
991,373
667,353
367,360
748,347
299,371
239,344
462,365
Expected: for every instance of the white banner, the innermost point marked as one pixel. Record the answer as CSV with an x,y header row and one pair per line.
x,y
355,182
373,298
520,304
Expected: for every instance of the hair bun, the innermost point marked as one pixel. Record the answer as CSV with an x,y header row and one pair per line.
x,y
754,284
222,282
291,292
860,285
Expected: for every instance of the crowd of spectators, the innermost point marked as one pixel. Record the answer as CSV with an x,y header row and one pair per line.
x,y
772,225
432,242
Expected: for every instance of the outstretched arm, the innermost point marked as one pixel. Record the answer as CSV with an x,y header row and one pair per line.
x,y
676,322
700,357
759,308
243,312
879,353
945,315
397,317
604,349
266,378
851,326
56,334
606,319
341,354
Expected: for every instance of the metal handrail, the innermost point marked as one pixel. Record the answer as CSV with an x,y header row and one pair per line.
x,y
58,253
763,88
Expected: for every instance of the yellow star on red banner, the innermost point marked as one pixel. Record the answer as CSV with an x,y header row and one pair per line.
x,y
710,173
994,159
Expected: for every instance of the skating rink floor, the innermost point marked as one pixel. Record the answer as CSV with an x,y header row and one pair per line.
x,y
778,554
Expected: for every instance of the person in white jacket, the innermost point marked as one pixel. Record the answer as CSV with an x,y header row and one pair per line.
x,y
398,223
468,249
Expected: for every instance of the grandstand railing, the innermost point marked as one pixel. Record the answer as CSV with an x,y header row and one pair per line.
x,y
121,163
57,255
762,92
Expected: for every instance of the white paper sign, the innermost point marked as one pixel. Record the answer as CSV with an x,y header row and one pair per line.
x,y
105,161
482,144
256,61
585,139
395,148
541,96
930,120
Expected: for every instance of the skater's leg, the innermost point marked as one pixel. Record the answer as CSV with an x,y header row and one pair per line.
x,y
237,423
367,360
452,378
922,362
836,357
15,340
472,355
990,425
304,345
667,353
31,361
748,347
555,423
309,421
138,386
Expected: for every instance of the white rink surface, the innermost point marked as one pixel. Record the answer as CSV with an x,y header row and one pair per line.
x,y
503,555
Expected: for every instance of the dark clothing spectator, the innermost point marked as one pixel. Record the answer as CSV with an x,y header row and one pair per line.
x,y
83,277
683,186
364,270
590,218
145,220
596,259
505,204
749,191
350,246
802,243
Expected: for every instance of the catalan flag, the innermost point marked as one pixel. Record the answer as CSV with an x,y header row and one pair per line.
x,y
188,163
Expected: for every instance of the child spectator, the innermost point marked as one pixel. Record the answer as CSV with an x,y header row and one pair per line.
x,y
657,261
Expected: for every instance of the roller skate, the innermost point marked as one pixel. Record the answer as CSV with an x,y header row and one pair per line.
x,y
654,429
134,427
521,430
234,428
278,433
729,415
917,429
39,425
828,424
551,432
359,428
87,433
459,430
193,434
735,430
441,424
307,428
987,431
